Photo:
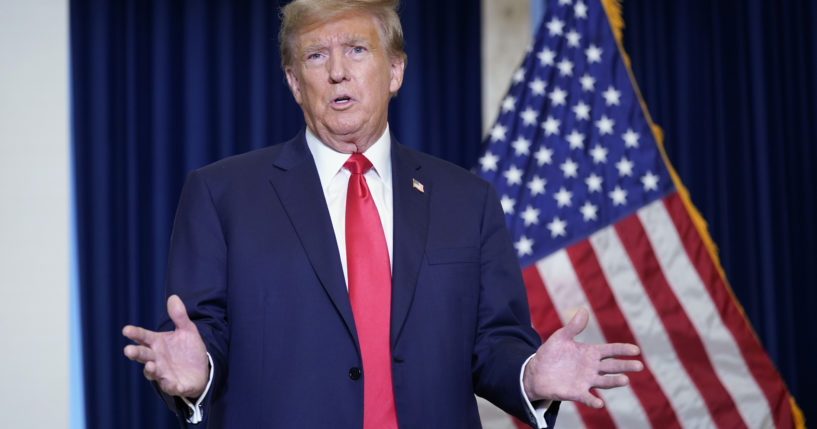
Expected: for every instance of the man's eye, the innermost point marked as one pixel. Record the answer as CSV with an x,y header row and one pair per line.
x,y
358,49
313,56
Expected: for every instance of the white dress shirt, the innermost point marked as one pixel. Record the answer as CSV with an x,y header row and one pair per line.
x,y
335,180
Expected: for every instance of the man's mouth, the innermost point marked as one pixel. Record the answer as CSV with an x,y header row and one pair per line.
x,y
342,100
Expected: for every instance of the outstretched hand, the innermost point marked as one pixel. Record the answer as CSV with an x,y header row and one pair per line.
x,y
176,360
565,370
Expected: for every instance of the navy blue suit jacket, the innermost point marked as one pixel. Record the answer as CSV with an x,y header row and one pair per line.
x,y
254,258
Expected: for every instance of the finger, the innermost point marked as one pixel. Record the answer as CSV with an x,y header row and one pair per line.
x,y
139,335
617,350
178,313
577,323
590,400
150,371
617,366
610,381
140,354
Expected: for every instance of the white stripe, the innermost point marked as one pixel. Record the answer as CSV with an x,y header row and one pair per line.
x,y
568,296
721,347
646,326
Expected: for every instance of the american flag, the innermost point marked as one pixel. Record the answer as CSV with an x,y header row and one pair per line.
x,y
599,220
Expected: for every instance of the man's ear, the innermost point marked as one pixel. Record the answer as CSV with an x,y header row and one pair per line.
x,y
294,83
398,67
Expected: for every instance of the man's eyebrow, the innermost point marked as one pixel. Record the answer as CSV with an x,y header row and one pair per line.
x,y
312,47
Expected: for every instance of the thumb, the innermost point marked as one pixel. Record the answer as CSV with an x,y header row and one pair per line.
x,y
178,313
577,324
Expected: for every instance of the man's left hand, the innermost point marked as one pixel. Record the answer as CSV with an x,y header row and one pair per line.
x,y
565,370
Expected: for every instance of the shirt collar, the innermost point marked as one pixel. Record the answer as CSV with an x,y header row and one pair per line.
x,y
329,161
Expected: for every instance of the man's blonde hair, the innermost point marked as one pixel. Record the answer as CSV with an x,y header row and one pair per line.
x,y
300,14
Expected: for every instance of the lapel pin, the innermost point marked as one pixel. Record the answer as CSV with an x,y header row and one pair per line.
x,y
417,185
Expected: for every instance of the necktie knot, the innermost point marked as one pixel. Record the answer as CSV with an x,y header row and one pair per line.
x,y
358,164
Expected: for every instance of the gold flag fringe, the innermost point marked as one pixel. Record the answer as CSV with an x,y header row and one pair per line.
x,y
612,9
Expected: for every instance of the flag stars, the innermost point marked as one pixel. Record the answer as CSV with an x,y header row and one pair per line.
x,y
519,75
530,216
589,211
605,125
513,175
489,161
593,183
625,167
537,86
551,125
529,116
570,168
650,182
546,57
508,204
573,38
498,132
580,10
593,54
558,96
619,196
563,197
524,246
611,96
537,186
555,27
565,67
543,156
508,104
630,138
588,82
557,227
521,146
599,154
582,111
576,140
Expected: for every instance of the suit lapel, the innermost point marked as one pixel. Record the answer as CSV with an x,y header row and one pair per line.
x,y
410,230
295,179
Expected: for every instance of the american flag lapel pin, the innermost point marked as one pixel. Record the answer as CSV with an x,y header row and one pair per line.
x,y
417,185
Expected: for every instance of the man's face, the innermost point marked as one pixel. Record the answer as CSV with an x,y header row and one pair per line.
x,y
343,78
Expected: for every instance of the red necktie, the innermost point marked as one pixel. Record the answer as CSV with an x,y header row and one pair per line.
x,y
369,271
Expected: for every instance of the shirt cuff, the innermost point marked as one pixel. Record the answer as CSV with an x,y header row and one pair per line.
x,y
539,409
195,415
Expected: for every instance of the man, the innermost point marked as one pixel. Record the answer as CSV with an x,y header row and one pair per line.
x,y
342,280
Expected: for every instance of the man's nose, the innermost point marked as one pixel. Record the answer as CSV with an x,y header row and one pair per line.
x,y
337,68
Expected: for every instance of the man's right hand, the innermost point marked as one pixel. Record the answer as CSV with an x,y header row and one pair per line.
x,y
176,360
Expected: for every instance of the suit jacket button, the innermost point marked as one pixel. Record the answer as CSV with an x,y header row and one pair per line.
x,y
354,373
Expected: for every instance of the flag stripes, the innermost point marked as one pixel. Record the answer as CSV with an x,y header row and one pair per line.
x,y
690,380
616,329
753,356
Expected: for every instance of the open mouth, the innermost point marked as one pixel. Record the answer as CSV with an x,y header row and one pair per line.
x,y
343,99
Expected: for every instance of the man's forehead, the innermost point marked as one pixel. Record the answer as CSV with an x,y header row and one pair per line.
x,y
347,28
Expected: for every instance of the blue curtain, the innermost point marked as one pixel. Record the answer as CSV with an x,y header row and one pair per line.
x,y
732,83
163,87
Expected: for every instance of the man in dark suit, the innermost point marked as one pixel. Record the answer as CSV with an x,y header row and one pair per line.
x,y
374,290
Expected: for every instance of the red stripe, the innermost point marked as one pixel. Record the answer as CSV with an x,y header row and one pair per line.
x,y
543,315
614,326
546,320
755,356
680,329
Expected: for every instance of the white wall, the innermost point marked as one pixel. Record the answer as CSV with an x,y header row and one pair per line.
x,y
34,213
505,36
